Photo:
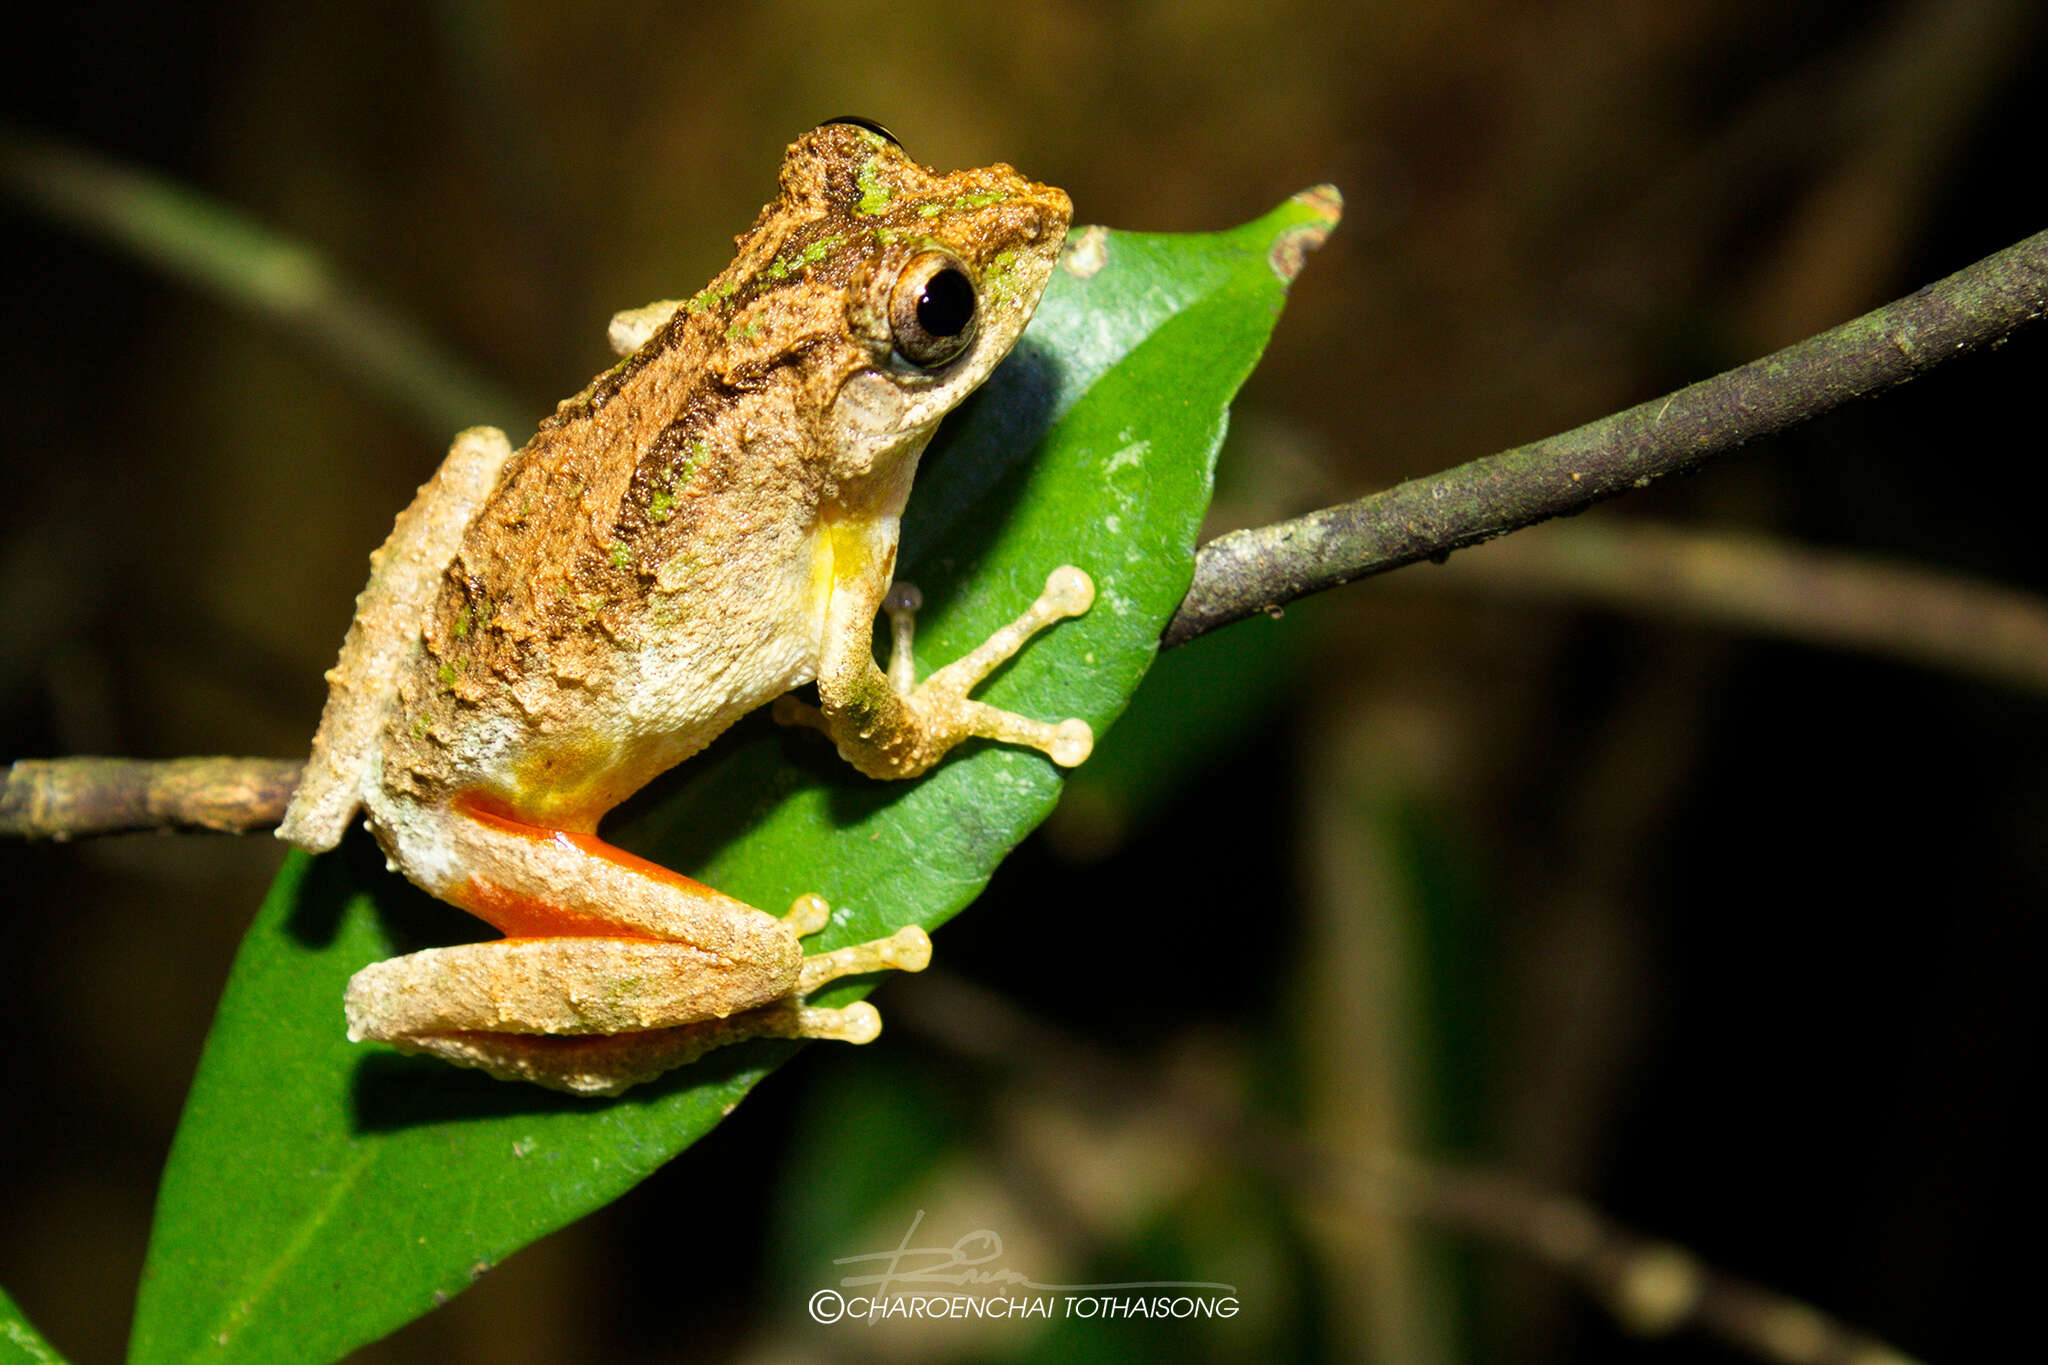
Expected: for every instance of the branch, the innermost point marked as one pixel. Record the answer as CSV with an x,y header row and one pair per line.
x,y
1247,572
61,797
1867,602
1653,1287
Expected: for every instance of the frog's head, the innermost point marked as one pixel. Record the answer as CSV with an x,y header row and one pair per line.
x,y
899,287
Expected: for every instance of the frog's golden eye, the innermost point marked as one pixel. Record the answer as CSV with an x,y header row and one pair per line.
x,y
932,309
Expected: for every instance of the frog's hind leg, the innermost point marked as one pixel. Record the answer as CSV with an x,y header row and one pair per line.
x,y
614,969
607,1064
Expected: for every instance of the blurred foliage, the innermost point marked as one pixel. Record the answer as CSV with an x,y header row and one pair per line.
x,y
19,1340
1753,928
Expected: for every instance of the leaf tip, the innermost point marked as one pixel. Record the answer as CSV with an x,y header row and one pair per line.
x,y
1292,245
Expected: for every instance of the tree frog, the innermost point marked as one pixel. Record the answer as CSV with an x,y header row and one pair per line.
x,y
711,523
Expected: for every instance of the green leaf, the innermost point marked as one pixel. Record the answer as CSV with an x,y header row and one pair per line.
x,y
321,1194
20,1342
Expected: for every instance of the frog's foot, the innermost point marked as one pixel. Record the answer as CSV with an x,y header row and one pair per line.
x,y
927,720
909,949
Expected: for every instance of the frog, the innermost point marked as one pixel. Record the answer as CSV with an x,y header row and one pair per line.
x,y
709,526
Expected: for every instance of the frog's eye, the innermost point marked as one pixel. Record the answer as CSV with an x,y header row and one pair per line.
x,y
932,309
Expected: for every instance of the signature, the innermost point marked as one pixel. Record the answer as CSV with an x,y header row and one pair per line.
x,y
970,1261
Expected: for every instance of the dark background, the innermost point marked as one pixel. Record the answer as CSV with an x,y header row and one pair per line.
x,y
1737,939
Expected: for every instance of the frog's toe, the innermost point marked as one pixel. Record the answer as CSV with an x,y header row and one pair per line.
x,y
909,949
859,1022
1072,742
1069,591
808,914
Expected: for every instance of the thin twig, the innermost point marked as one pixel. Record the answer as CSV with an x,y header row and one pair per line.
x,y
1867,602
1248,572
61,797
1652,1286
213,247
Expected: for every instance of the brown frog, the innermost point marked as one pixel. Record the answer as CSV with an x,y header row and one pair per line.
x,y
711,523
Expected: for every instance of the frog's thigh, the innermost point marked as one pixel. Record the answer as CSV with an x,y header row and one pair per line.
x,y
530,881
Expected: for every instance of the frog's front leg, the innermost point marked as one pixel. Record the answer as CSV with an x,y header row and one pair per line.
x,y
631,328
889,725
614,969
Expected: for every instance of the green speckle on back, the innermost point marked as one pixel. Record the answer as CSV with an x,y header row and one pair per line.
x,y
998,277
787,267
875,192
978,200
661,502
693,455
710,296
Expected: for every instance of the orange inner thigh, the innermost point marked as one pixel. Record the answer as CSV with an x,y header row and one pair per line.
x,y
520,914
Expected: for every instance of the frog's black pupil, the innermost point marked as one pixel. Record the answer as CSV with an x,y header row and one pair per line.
x,y
946,304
